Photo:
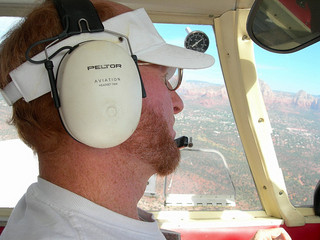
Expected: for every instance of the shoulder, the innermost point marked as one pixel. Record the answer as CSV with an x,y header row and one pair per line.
x,y
36,220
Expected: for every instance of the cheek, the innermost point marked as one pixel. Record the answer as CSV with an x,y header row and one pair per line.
x,y
155,89
160,103
151,83
158,96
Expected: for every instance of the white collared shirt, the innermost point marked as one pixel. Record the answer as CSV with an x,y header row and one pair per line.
x,y
48,211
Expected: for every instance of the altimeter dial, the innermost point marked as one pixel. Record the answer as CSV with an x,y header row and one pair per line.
x,y
197,40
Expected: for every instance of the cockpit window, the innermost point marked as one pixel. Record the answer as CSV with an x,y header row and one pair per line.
x,y
291,89
19,166
214,173
6,24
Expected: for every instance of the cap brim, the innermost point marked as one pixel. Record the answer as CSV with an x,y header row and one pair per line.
x,y
149,46
177,57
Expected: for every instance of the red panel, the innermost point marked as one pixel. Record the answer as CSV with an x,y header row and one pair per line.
x,y
309,231
227,233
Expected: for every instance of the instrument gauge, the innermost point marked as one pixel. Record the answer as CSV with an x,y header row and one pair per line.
x,y
197,40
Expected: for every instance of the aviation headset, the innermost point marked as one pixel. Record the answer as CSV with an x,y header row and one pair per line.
x,y
97,89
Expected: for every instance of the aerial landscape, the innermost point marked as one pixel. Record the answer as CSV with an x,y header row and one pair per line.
x,y
208,119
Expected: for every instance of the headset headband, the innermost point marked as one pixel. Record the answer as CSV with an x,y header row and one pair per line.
x,y
96,88
79,19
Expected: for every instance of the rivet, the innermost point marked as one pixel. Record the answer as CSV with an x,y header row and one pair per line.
x,y
245,37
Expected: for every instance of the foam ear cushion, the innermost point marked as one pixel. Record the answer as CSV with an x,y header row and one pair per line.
x,y
100,93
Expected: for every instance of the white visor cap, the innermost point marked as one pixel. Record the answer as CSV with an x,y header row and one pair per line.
x,y
30,81
149,46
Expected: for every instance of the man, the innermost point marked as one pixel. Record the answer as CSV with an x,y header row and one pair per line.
x,y
86,192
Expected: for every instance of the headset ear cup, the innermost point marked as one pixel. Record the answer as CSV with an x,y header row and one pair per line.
x,y
100,93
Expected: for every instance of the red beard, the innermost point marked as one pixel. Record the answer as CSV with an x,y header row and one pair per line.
x,y
152,143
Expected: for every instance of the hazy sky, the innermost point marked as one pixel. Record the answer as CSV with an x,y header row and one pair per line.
x,y
287,72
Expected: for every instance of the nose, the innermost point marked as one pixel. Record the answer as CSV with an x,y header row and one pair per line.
x,y
176,102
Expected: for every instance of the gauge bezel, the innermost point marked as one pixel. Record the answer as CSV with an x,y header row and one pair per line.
x,y
199,35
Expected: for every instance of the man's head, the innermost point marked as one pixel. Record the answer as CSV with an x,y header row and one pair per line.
x,y
38,122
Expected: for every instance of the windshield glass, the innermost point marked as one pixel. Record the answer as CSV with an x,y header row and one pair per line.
x,y
214,173
290,85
